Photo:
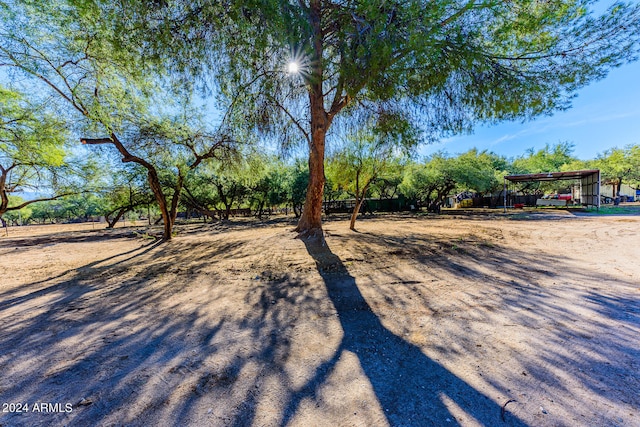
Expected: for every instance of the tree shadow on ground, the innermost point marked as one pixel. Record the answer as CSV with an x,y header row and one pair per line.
x,y
412,388
124,334
8,298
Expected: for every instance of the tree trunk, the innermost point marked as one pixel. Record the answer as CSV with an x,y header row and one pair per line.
x,y
360,196
4,199
152,176
356,211
112,223
227,211
260,210
173,213
310,223
156,188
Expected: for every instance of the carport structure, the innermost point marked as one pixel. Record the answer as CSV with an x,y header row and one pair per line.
x,y
589,183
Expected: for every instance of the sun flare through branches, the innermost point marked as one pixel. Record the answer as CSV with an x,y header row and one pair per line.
x,y
298,63
293,67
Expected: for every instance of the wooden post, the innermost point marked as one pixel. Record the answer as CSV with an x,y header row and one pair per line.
x,y
505,194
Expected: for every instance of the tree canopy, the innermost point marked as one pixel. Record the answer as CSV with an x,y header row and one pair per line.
x,y
548,159
300,73
33,149
440,66
365,157
109,90
620,165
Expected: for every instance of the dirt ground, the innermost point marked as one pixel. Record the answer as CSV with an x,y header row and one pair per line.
x,y
518,320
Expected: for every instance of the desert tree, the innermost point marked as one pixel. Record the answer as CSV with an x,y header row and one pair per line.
x,y
620,165
300,68
387,186
432,181
75,208
17,216
366,156
550,158
112,93
441,174
200,196
123,192
481,171
169,150
271,186
224,183
633,155
34,152
297,183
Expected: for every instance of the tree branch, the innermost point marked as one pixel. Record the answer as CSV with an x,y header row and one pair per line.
x,y
47,199
77,104
294,120
126,155
458,13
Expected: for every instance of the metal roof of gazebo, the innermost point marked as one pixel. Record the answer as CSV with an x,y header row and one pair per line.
x,y
552,176
589,183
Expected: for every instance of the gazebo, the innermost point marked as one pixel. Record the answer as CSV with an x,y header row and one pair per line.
x,y
589,183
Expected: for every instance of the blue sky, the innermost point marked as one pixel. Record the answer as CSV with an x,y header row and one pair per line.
x,y
605,114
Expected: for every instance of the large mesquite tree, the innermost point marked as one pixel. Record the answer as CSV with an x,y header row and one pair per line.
x,y
104,85
33,150
441,65
171,150
620,165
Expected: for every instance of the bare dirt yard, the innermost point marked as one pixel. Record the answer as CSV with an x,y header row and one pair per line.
x,y
516,320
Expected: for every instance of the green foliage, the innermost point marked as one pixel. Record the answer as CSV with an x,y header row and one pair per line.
x,y
73,50
614,210
270,190
222,184
620,165
430,182
633,154
42,213
33,148
298,181
364,158
480,172
577,164
442,64
551,158
76,52
410,71
18,216
78,207
548,159
387,186
124,190
29,135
